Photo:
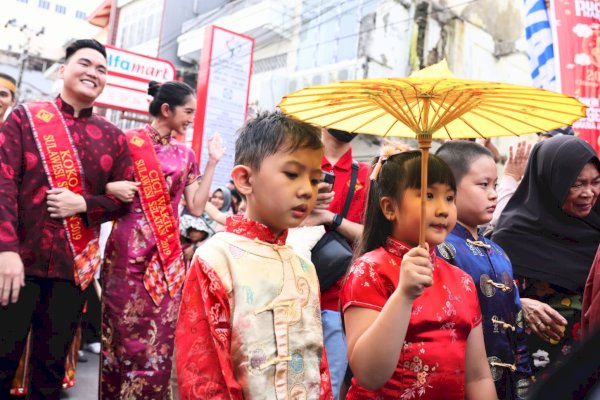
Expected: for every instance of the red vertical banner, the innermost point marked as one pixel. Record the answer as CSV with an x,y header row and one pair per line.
x,y
577,48
202,91
222,94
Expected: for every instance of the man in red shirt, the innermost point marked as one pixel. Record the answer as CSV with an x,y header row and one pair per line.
x,y
41,277
337,158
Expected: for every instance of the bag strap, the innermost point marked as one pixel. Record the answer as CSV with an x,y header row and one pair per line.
x,y
351,189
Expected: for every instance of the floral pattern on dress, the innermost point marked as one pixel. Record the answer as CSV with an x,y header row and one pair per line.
x,y
431,362
421,384
138,336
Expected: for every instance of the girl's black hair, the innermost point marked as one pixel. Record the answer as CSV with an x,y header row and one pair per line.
x,y
173,93
399,172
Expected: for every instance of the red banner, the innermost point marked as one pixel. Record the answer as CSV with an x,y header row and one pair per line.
x,y
577,48
165,271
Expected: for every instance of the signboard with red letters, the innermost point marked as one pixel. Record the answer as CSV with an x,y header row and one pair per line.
x,y
128,77
577,47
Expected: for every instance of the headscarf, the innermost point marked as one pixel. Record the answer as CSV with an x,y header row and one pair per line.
x,y
542,241
188,221
226,198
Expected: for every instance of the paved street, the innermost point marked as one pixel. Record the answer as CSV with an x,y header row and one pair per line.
x,y
86,376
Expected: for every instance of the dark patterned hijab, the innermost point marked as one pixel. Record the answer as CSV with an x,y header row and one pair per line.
x,y
542,241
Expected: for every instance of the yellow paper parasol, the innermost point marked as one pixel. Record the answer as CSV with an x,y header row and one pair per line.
x,y
432,104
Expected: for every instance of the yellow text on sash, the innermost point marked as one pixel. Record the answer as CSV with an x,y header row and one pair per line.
x,y
75,227
70,169
54,159
159,211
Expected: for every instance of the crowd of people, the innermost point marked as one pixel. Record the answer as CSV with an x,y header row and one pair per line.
x,y
218,292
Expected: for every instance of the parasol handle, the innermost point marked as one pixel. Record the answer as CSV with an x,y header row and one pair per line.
x,y
424,165
424,145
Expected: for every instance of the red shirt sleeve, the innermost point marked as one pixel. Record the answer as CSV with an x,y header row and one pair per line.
x,y
590,309
103,207
11,160
365,286
203,338
326,392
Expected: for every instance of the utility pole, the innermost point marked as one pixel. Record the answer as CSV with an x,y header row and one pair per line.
x,y
24,56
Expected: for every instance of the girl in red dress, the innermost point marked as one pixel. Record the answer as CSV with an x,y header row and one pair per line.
x,y
412,320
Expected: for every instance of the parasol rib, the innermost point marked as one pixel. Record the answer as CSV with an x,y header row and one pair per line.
x,y
457,111
494,111
402,118
491,102
407,104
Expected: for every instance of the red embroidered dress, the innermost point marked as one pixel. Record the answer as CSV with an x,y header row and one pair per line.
x,y
137,334
432,362
250,324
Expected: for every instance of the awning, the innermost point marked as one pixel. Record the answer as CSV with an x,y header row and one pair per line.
x,y
101,15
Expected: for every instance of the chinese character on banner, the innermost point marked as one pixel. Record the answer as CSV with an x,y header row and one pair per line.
x,y
577,48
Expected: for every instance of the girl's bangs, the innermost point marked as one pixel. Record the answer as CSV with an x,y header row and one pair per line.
x,y
438,172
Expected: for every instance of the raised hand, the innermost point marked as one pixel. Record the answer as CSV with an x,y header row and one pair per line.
x,y
416,272
215,147
517,160
324,196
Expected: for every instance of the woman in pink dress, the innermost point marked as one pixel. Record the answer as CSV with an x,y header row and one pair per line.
x,y
144,269
412,320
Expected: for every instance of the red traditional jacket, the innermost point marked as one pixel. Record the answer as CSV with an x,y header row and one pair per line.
x,y
25,224
249,324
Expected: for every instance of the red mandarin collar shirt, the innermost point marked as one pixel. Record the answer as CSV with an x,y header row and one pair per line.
x,y
341,186
25,224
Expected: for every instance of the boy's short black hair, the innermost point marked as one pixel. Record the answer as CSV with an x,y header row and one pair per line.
x,y
460,154
84,44
270,132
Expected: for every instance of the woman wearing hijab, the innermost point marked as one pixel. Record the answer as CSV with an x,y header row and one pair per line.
x,y
193,231
217,209
550,229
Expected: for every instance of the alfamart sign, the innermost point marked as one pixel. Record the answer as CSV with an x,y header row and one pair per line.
x,y
128,77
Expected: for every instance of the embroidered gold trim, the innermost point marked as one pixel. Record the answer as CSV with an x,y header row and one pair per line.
x,y
479,243
512,367
505,325
500,286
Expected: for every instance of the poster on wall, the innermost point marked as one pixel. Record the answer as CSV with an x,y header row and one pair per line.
x,y
222,95
577,48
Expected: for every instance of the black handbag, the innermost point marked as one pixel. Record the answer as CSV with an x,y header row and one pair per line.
x,y
332,254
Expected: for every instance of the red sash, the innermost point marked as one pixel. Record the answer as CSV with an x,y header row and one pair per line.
x,y
63,169
166,270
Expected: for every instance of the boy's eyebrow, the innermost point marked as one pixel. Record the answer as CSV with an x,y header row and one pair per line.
x,y
84,59
301,166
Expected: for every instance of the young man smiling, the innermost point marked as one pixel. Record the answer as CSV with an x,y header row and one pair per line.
x,y
56,159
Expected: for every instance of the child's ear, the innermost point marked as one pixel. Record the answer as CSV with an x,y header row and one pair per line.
x,y
388,208
242,175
